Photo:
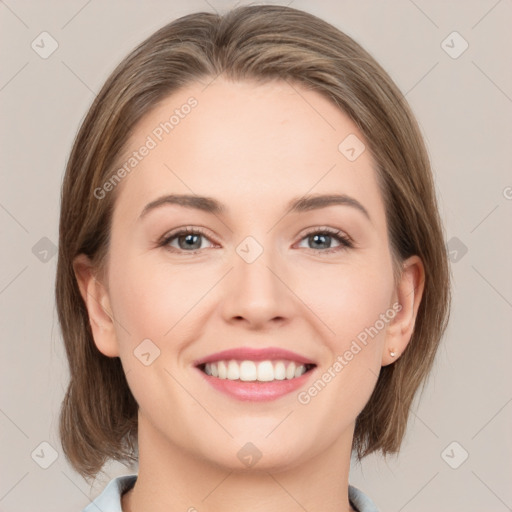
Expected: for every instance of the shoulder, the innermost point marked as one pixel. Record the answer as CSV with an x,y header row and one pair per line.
x,y
110,499
360,501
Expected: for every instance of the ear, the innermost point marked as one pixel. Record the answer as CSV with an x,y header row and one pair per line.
x,y
97,301
407,298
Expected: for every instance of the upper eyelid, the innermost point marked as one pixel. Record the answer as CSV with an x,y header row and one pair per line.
x,y
184,229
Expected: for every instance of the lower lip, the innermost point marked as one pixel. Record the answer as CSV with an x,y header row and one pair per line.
x,y
256,391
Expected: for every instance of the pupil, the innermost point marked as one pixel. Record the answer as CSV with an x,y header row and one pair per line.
x,y
189,238
325,237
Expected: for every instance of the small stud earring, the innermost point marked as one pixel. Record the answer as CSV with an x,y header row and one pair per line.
x,y
392,353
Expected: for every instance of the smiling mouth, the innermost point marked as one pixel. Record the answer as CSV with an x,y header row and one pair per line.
x,y
252,371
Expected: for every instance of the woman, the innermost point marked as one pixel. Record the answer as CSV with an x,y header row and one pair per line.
x,y
252,281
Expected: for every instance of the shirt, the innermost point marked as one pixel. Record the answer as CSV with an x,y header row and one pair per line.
x,y
110,499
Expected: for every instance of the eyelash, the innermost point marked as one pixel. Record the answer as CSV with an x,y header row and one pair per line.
x,y
345,241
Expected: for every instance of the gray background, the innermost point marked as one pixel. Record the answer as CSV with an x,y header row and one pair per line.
x,y
464,107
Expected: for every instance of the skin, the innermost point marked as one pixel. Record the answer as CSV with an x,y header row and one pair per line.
x,y
252,147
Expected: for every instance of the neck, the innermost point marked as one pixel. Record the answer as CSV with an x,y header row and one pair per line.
x,y
170,478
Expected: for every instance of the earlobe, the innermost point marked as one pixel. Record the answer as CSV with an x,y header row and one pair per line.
x,y
97,302
408,296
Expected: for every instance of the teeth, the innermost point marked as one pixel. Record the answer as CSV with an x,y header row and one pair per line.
x,y
262,371
233,371
223,371
290,371
248,370
265,371
279,371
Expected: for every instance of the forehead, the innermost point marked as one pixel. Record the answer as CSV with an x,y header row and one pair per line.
x,y
249,145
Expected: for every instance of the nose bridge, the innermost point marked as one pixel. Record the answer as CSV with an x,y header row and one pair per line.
x,y
256,291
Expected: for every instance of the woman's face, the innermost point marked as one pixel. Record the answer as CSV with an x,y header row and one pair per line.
x,y
252,273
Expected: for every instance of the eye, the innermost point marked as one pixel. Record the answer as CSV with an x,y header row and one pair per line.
x,y
323,238
188,240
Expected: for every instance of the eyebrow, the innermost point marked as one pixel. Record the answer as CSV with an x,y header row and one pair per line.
x,y
296,205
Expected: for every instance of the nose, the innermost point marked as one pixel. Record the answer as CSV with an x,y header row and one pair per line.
x,y
257,293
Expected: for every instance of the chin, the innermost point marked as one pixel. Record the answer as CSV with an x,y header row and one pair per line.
x,y
252,451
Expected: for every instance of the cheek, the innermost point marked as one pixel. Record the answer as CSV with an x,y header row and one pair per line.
x,y
150,296
349,297
357,309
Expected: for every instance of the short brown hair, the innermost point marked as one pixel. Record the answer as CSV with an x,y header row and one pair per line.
x,y
98,418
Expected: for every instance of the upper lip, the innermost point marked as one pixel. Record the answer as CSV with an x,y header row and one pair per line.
x,y
254,354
